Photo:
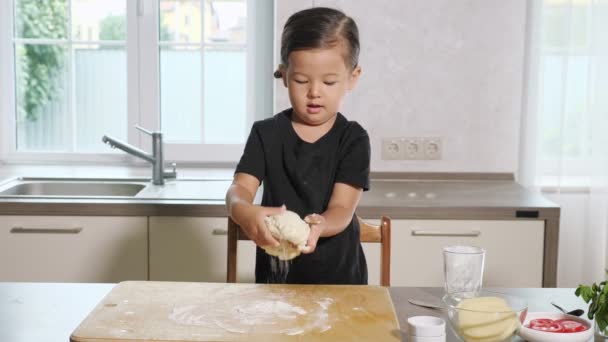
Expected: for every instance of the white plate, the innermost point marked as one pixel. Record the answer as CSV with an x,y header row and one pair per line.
x,y
544,336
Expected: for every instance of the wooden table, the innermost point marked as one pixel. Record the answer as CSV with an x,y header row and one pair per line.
x,y
50,312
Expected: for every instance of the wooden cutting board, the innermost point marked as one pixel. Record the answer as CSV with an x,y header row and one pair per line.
x,y
179,311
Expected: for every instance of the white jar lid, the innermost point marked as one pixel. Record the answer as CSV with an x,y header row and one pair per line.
x,y
426,326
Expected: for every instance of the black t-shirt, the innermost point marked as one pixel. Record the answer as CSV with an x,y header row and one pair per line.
x,y
302,175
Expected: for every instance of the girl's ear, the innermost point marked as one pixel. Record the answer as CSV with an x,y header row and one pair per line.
x,y
354,77
283,71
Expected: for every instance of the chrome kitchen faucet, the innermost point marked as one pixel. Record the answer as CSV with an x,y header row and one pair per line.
x,y
156,158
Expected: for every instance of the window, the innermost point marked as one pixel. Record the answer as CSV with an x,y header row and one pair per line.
x,y
564,84
70,88
79,69
208,57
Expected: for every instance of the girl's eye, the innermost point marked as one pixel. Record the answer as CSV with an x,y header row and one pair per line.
x,y
300,81
330,83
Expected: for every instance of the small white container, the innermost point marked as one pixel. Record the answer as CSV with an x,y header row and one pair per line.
x,y
426,329
426,339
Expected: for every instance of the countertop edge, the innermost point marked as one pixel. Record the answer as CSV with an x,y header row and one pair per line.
x,y
183,208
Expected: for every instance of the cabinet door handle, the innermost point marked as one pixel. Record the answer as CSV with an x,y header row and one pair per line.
x,y
22,230
417,232
219,231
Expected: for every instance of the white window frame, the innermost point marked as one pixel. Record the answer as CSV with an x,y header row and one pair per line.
x,y
5,80
142,78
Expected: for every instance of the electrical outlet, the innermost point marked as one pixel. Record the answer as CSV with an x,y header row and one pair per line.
x,y
392,149
412,148
431,148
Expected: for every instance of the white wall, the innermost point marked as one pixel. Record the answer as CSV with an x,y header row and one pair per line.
x,y
452,69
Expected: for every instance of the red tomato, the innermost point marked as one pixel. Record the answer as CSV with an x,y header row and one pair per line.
x,y
541,321
545,324
569,325
551,327
560,325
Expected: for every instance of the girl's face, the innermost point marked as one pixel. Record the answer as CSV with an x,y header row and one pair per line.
x,y
317,81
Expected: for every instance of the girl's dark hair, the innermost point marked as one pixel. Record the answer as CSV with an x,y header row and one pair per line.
x,y
319,27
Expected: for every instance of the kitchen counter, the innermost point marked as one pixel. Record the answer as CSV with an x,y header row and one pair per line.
x,y
50,311
200,193
196,192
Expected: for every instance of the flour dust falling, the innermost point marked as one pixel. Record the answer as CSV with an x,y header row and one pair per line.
x,y
279,269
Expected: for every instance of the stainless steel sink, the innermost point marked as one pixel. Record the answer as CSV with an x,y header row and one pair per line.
x,y
75,187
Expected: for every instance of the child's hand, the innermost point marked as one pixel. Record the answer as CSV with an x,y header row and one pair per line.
x,y
317,225
255,227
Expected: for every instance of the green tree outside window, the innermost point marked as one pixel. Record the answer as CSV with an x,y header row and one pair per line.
x,y
39,63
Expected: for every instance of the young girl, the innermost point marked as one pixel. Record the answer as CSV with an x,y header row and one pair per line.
x,y
310,158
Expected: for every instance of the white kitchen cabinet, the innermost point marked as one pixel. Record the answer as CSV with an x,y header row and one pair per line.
x,y
73,248
514,250
372,257
195,249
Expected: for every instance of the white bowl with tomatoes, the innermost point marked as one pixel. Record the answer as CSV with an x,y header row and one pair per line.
x,y
555,327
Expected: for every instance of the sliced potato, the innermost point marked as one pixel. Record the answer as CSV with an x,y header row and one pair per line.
x,y
495,320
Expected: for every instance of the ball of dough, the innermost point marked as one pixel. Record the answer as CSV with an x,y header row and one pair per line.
x,y
291,232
